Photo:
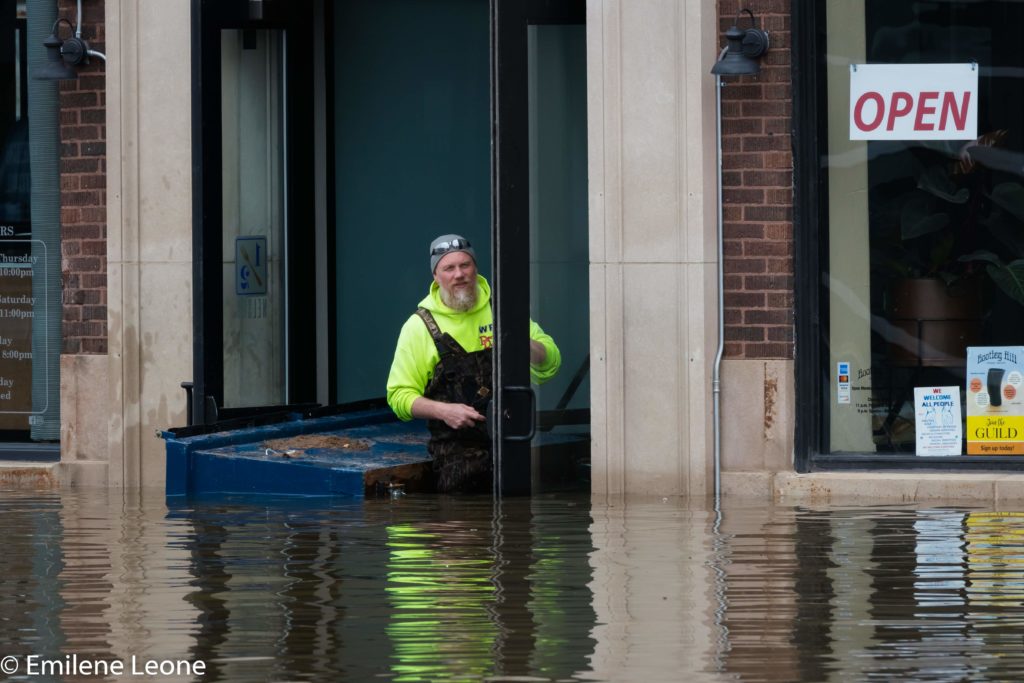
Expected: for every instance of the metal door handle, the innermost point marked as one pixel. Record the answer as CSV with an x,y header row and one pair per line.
x,y
528,390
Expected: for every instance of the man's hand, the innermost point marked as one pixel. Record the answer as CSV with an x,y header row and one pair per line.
x,y
460,416
455,415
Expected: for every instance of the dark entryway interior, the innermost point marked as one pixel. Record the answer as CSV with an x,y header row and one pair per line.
x,y
376,126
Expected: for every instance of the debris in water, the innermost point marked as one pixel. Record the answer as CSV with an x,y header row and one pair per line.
x,y
290,453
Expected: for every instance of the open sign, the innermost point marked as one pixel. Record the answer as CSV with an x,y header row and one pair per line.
x,y
913,101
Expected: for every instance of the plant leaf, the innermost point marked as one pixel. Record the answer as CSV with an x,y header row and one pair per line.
x,y
901,267
1007,230
935,181
1010,279
1010,198
981,255
940,257
918,219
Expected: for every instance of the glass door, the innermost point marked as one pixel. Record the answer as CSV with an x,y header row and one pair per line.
x,y
254,223
253,145
540,244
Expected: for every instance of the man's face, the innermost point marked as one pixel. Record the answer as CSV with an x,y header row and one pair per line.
x,y
456,276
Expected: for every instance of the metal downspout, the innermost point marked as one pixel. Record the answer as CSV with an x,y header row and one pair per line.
x,y
720,543
716,379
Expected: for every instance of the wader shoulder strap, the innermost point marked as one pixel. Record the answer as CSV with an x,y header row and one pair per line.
x,y
443,341
428,320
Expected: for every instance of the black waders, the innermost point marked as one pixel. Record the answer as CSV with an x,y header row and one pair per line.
x,y
462,457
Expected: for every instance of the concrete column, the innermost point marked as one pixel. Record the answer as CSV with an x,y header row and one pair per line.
x,y
652,167
149,233
83,428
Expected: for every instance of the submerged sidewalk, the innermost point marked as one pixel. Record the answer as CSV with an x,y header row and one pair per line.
x,y
899,487
780,487
28,475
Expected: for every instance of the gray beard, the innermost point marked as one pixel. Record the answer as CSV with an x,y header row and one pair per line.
x,y
459,300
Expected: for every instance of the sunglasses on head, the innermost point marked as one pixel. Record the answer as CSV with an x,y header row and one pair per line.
x,y
453,245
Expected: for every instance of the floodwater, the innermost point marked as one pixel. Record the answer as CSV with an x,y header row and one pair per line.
x,y
108,585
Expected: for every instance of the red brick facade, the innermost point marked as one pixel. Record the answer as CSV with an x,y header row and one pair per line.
x,y
757,193
83,186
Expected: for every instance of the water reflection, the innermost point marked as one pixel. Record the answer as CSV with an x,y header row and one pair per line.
x,y
560,588
414,589
867,593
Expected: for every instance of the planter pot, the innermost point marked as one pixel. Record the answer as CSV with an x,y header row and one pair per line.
x,y
932,324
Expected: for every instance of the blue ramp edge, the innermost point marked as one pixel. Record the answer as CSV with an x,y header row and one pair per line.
x,y
340,455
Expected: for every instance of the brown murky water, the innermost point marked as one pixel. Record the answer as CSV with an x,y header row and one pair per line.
x,y
431,588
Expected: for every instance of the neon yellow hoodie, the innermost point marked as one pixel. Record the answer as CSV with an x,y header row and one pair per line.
x,y
416,355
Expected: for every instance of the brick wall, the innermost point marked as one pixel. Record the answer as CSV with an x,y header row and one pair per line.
x,y
83,185
757,192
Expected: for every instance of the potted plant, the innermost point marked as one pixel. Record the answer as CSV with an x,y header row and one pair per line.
x,y
962,226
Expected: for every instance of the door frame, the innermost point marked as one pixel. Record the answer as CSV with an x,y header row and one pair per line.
x,y
514,401
209,18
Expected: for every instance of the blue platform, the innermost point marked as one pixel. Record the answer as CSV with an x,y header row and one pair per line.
x,y
368,452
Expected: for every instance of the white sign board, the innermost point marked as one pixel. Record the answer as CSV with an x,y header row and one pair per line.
x,y
913,101
937,421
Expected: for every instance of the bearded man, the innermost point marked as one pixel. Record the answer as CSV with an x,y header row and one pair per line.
x,y
442,366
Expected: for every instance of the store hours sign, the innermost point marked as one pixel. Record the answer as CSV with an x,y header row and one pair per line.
x,y
913,101
21,262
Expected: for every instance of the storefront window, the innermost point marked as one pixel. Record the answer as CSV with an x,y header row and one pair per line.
x,y
30,292
925,238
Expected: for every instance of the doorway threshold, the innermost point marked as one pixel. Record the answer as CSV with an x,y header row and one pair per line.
x,y
30,452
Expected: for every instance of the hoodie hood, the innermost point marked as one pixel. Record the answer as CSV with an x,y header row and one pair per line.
x,y
432,302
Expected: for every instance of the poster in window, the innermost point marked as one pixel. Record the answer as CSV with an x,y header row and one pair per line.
x,y
995,407
937,421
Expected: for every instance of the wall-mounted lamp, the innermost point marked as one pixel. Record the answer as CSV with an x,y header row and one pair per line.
x,y
62,55
741,57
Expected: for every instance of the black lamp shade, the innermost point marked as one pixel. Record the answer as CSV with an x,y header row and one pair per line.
x,y
734,64
54,69
745,47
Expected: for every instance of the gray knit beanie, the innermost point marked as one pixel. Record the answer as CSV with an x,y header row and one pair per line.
x,y
446,244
